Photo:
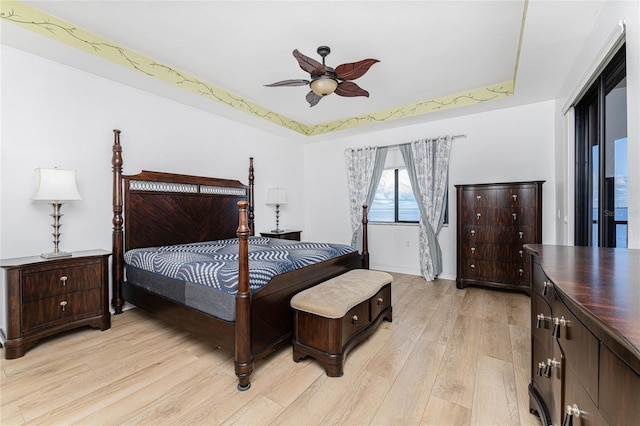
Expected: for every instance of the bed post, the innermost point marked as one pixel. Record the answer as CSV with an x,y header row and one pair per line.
x,y
117,241
251,199
243,352
365,238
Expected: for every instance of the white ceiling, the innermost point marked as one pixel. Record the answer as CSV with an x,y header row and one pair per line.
x,y
427,50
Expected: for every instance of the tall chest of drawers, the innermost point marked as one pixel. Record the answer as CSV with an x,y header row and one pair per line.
x,y
494,221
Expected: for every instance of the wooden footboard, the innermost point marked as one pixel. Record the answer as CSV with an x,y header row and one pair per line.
x,y
155,208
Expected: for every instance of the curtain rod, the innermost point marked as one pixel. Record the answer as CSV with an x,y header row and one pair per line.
x,y
461,135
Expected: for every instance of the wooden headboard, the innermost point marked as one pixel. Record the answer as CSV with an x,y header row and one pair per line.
x,y
164,209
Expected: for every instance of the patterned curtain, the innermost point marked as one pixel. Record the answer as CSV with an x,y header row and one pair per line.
x,y
364,168
427,164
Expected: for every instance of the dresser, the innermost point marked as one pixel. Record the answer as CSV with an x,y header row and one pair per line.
x,y
494,221
585,335
49,296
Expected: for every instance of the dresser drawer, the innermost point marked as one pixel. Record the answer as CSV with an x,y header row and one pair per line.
x,y
501,272
477,197
355,320
520,196
542,284
45,283
60,308
576,395
579,346
380,302
619,389
490,251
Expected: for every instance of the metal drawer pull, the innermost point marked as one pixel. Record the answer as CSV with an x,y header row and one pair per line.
x,y
64,305
521,253
550,364
63,280
515,197
478,197
539,318
545,287
572,410
473,250
542,366
473,232
521,272
354,320
380,301
478,215
515,216
557,322
473,267
521,234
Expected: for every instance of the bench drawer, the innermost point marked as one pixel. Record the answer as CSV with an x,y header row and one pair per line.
x,y
380,302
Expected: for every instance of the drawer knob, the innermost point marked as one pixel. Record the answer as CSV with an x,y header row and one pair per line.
x,y
380,301
521,234
63,280
571,410
515,197
521,272
515,216
550,364
557,322
473,250
545,287
473,232
478,215
64,305
354,320
478,198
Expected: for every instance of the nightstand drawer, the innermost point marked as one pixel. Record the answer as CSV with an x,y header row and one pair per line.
x,y
51,282
60,308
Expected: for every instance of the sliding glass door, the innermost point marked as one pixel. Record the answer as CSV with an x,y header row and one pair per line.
x,y
601,159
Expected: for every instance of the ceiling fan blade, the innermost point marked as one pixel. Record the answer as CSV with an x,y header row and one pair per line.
x,y
288,83
306,63
349,89
354,70
313,99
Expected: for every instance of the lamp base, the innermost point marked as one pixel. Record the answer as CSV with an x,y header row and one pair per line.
x,y
55,254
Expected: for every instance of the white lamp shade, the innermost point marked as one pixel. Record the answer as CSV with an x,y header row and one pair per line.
x,y
277,196
56,185
324,86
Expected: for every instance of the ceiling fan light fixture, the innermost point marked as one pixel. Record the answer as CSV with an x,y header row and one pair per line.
x,y
324,85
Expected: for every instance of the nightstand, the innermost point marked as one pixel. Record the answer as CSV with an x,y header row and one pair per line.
x,y
49,296
286,234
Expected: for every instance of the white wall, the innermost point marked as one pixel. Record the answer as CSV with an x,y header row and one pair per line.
x,y
507,145
53,115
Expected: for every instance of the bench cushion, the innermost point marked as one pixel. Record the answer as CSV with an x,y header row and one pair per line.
x,y
334,297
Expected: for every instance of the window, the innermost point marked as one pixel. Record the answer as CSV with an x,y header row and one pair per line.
x,y
394,200
601,159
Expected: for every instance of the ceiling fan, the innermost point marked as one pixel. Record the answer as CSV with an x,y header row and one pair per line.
x,y
326,80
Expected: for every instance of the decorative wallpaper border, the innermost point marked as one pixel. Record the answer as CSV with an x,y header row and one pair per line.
x,y
47,25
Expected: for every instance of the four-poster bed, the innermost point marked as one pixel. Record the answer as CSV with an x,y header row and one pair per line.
x,y
152,209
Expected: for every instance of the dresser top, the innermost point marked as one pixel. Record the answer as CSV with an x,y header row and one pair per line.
x,y
604,283
17,262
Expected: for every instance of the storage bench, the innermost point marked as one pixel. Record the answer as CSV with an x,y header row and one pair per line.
x,y
332,317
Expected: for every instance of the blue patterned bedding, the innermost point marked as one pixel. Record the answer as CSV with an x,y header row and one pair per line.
x,y
215,263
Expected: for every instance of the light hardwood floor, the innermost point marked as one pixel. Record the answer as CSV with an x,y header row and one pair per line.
x,y
450,357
